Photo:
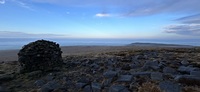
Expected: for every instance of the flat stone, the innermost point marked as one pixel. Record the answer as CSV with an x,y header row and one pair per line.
x,y
185,62
39,83
110,74
50,86
184,69
107,82
6,77
87,89
96,87
80,85
150,65
2,89
169,70
188,79
168,86
118,88
125,78
141,73
157,76
195,73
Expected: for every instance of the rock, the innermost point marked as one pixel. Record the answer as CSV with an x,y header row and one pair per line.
x,y
80,85
157,76
107,82
2,89
87,88
39,83
7,77
40,55
187,70
2,72
150,65
50,86
140,57
168,86
110,74
188,80
195,73
185,62
94,66
141,74
169,70
162,64
126,67
125,78
135,64
96,87
34,74
118,88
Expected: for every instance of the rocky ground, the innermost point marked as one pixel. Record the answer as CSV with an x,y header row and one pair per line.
x,y
156,70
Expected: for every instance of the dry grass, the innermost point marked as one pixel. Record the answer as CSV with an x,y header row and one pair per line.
x,y
149,87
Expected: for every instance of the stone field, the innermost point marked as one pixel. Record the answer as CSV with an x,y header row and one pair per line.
x,y
155,70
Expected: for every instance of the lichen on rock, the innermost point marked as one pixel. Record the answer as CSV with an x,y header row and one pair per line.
x,y
40,55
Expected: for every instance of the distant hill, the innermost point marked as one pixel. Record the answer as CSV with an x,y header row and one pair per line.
x,y
159,45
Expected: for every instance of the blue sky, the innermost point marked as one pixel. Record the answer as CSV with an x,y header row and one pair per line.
x,y
138,19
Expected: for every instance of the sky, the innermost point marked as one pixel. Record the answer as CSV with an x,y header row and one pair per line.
x,y
121,19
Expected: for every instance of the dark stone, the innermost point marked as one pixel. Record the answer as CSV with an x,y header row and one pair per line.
x,y
96,87
2,72
187,70
188,80
157,76
107,82
118,88
110,74
40,55
39,83
169,70
34,74
3,89
125,78
7,77
195,73
150,65
87,88
50,86
141,74
80,85
168,86
126,67
185,62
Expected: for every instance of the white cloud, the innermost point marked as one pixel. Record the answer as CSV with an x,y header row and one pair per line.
x,y
133,7
184,29
2,2
10,34
103,15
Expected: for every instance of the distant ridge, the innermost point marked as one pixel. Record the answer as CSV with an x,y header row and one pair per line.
x,y
159,45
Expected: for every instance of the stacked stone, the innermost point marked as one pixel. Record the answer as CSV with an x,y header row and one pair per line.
x,y
40,55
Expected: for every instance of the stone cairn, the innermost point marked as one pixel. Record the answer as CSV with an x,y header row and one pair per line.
x,y
40,55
